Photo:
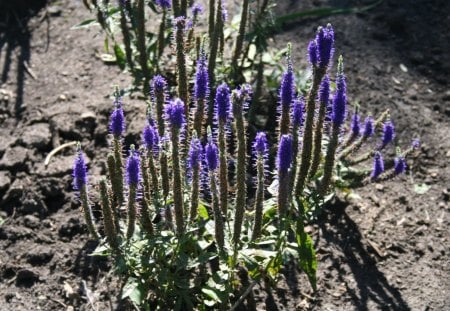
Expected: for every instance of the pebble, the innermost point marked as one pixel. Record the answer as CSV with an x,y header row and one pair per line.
x,y
36,136
31,221
5,180
26,278
14,158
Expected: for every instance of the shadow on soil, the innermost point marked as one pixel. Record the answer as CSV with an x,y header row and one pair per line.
x,y
372,284
15,33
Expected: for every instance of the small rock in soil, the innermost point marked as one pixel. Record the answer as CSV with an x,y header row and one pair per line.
x,y
36,136
31,221
58,166
71,228
39,256
14,159
5,181
26,278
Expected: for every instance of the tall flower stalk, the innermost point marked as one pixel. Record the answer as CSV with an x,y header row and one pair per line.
x,y
80,185
339,113
175,117
222,114
212,163
324,96
320,53
239,98
260,150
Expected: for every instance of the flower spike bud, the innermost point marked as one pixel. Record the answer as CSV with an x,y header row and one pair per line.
x,y
325,45
369,129
286,95
388,133
150,137
195,152
196,10
339,110
312,53
355,125
399,165
211,156
201,83
260,145
158,91
222,103
164,4
378,166
297,112
415,143
132,168
79,170
284,155
117,120
175,113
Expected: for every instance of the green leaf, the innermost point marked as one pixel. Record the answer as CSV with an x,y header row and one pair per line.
x,y
211,294
120,56
203,212
132,291
86,23
307,257
421,188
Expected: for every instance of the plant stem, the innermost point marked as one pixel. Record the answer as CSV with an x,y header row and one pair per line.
x,y
142,46
305,163
241,166
223,169
177,186
259,199
89,218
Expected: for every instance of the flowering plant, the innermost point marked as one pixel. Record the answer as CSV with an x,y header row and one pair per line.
x,y
178,217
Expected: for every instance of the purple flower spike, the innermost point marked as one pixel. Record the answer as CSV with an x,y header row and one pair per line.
x,y
388,133
211,156
165,4
324,90
175,113
312,52
224,12
158,85
201,84
297,112
195,153
415,143
79,172
132,168
339,110
117,123
368,127
222,102
325,43
150,137
355,126
378,165
260,145
197,9
287,88
285,154
399,165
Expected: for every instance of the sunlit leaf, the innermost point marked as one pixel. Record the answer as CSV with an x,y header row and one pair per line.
x,y
421,188
307,254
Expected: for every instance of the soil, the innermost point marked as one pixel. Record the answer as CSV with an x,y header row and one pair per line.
x,y
385,248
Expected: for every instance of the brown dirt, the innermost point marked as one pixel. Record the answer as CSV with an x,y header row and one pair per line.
x,y
387,250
